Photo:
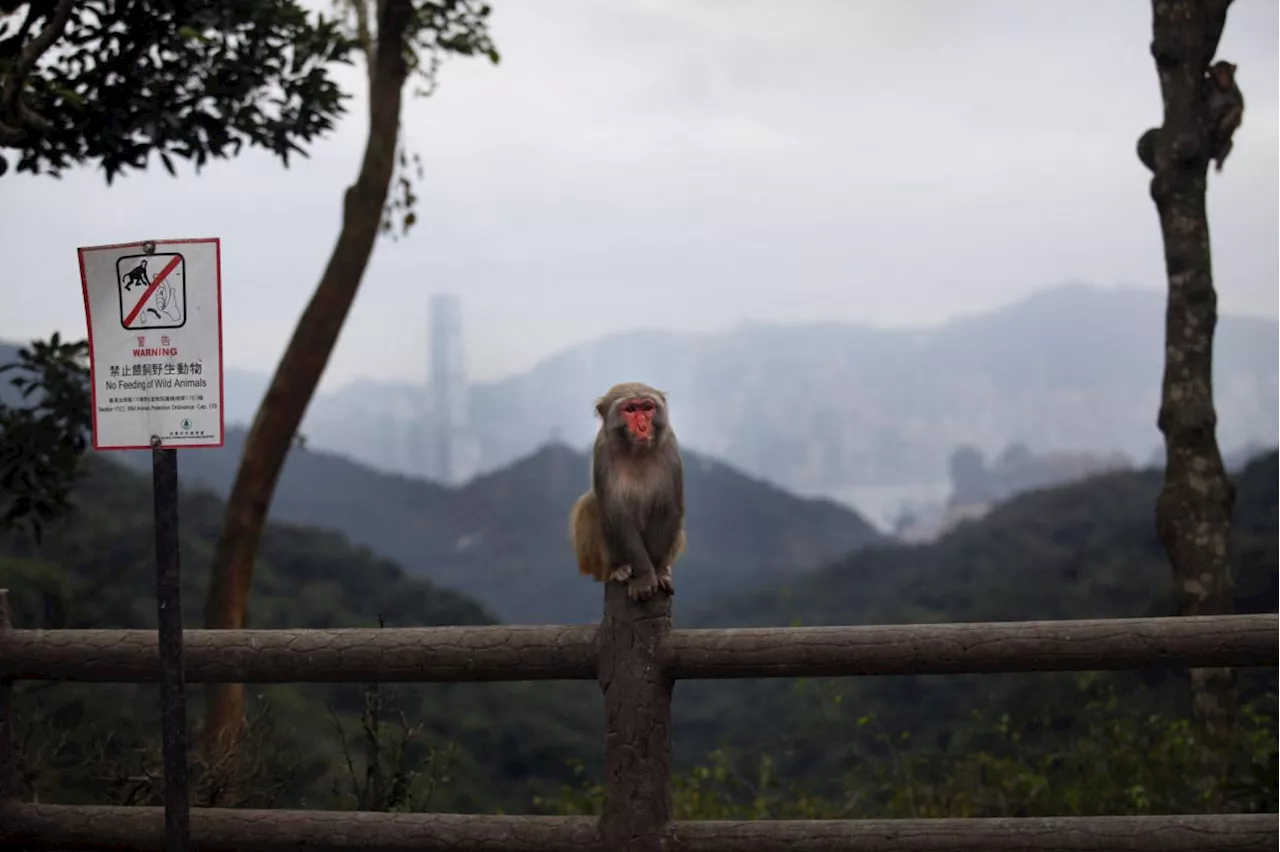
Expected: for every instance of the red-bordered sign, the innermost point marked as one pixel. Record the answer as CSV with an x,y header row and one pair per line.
x,y
154,312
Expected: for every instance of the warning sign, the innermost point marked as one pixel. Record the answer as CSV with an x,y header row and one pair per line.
x,y
155,343
153,290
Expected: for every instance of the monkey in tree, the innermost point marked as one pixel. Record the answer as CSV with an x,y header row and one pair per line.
x,y
1224,109
629,526
1225,104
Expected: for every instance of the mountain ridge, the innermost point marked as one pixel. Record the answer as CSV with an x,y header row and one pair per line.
x,y
502,538
811,407
822,407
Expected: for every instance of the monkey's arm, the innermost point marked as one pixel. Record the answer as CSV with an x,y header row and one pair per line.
x,y
672,526
1226,128
621,529
678,484
625,542
623,535
1231,120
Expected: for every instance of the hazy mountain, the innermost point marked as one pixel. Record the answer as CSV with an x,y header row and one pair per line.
x,y
822,408
816,407
1017,469
503,539
1071,368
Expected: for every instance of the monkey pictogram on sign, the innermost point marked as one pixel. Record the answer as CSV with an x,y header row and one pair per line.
x,y
153,290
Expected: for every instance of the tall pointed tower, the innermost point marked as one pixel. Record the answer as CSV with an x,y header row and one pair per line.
x,y
448,451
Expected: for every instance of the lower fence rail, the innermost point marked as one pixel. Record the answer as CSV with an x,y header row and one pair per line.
x,y
42,828
636,657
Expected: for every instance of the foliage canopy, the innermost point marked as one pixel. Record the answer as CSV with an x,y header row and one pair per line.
x,y
42,439
111,82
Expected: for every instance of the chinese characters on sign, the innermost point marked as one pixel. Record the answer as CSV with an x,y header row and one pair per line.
x,y
155,343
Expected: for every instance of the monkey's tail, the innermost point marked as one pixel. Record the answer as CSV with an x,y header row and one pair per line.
x,y
677,549
586,534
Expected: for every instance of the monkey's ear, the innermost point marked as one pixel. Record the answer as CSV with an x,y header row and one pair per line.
x,y
600,406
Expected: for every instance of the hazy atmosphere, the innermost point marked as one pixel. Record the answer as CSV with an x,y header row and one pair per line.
x,y
692,165
719,320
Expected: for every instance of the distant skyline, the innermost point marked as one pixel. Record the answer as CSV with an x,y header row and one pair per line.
x,y
694,164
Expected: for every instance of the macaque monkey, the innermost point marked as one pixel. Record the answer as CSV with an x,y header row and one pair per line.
x,y
629,527
1224,110
1225,104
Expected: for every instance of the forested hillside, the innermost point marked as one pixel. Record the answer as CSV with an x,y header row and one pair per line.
x,y
96,569
1087,550
503,538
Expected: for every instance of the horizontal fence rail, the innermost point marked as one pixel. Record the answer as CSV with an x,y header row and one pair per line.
x,y
452,654
976,648
55,827
353,655
636,657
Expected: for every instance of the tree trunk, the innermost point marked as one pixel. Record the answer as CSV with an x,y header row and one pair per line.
x,y
1193,512
303,363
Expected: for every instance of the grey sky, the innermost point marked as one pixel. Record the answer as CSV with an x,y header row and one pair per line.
x,y
693,163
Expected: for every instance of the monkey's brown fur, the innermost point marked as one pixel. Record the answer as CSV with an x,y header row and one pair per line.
x,y
1224,112
629,526
1225,104
588,538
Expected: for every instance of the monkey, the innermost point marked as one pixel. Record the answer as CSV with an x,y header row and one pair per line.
x,y
629,525
1224,111
137,275
1225,105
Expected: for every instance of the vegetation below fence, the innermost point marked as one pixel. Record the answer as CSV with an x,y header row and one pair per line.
x,y
998,745
95,569
1107,758
1111,759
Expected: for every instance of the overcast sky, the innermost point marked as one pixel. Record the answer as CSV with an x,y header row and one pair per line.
x,y
691,164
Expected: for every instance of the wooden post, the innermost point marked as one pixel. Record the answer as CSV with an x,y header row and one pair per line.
x,y
637,706
173,692
8,761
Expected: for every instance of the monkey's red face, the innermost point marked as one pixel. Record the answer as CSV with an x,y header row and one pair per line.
x,y
638,416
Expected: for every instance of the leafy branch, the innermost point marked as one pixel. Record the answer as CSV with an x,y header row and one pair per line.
x,y
43,439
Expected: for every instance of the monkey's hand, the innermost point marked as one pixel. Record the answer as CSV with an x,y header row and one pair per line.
x,y
642,587
664,580
621,574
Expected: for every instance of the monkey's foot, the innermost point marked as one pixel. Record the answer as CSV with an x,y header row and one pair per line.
x,y
664,580
642,588
621,574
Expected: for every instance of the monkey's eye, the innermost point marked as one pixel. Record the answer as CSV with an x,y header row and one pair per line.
x,y
647,407
629,408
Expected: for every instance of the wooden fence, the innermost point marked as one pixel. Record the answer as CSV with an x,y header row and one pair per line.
x,y
636,656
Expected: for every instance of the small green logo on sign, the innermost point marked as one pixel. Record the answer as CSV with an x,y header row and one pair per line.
x,y
186,424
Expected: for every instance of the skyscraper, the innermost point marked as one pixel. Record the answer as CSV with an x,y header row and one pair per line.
x,y
450,452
